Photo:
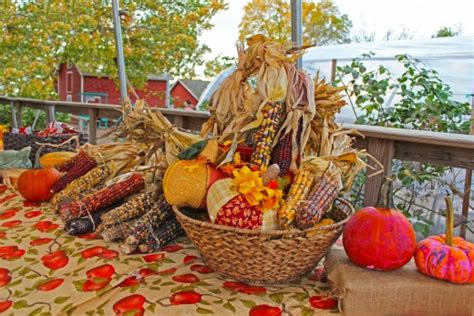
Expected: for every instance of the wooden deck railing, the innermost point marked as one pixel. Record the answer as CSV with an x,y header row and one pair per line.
x,y
385,144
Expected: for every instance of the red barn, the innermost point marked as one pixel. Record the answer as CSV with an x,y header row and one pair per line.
x,y
185,93
78,86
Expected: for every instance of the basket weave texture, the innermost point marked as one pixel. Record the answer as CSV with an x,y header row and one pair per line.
x,y
264,257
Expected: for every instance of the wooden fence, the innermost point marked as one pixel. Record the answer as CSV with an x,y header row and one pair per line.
x,y
384,143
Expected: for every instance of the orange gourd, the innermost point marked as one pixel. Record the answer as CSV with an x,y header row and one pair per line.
x,y
54,159
444,257
35,184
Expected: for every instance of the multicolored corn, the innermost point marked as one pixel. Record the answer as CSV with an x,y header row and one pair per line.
x,y
265,135
298,192
281,154
68,164
135,207
80,168
169,231
144,227
105,197
118,231
81,186
319,201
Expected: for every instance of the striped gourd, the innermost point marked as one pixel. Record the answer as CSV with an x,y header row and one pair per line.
x,y
80,168
265,135
81,186
298,192
105,197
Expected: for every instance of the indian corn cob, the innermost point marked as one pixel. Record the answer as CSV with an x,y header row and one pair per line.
x,y
68,164
80,168
81,186
85,224
131,209
265,135
105,197
320,199
118,231
298,192
166,232
143,228
281,154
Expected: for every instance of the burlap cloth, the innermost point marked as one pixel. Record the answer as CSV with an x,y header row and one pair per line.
x,y
402,292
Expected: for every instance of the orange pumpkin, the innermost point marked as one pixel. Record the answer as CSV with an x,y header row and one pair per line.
x,y
35,184
444,257
379,238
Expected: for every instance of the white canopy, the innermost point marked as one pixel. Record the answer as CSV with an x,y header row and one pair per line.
x,y
452,57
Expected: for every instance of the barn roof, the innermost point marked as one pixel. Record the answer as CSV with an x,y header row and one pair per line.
x,y
195,87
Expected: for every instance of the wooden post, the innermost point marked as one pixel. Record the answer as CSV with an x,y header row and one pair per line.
x,y
178,121
13,113
333,70
93,115
18,109
466,198
50,117
383,150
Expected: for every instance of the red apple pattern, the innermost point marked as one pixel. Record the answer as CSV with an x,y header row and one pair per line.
x,y
43,270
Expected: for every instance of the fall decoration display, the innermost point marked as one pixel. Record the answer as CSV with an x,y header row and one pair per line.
x,y
55,159
35,184
379,238
446,257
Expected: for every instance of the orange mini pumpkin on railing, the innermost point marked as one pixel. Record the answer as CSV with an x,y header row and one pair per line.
x,y
446,257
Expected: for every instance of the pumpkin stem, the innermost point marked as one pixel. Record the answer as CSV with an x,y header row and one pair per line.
x,y
449,221
385,195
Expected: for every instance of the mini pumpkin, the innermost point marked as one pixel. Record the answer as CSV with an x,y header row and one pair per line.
x,y
446,257
35,185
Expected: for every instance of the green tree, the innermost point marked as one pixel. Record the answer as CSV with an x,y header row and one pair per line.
x,y
217,65
447,31
36,36
323,24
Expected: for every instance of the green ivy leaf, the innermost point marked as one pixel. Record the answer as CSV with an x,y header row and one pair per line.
x,y
201,310
20,304
229,306
61,299
277,297
248,303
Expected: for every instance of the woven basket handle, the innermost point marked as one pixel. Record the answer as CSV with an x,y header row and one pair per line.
x,y
43,145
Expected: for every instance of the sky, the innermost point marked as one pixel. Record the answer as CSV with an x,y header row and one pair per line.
x,y
422,17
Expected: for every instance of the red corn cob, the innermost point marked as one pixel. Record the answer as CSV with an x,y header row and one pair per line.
x,y
80,168
68,164
105,197
281,154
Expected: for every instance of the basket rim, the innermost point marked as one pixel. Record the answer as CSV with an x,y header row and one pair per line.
x,y
279,232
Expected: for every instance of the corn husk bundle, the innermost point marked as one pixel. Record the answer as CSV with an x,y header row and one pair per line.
x,y
151,129
119,157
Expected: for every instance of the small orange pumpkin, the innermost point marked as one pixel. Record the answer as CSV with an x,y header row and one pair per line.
x,y
35,185
444,257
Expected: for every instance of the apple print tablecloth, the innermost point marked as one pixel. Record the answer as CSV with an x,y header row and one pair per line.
x,y
44,271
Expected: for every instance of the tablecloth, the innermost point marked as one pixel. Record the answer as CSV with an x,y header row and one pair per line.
x,y
45,271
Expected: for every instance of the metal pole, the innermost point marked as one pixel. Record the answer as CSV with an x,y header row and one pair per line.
x,y
119,47
297,28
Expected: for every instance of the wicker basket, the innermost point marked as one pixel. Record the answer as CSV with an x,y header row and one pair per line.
x,y
264,257
13,141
